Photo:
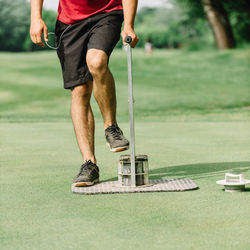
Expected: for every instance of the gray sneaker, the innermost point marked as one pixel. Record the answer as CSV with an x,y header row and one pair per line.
x,y
87,176
115,139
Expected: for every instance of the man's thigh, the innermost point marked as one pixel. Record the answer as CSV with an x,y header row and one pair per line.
x,y
106,34
100,32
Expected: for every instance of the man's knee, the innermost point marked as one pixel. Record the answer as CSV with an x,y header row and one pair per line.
x,y
82,91
97,61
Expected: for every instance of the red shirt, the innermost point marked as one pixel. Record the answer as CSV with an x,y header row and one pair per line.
x,y
71,11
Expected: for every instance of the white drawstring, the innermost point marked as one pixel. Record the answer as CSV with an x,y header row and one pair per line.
x,y
60,39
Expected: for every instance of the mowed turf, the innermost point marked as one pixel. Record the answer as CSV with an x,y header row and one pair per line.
x,y
170,85
192,120
38,210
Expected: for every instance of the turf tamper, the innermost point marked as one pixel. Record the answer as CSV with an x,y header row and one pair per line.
x,y
132,169
133,175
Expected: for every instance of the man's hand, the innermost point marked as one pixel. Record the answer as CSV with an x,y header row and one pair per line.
x,y
37,27
129,31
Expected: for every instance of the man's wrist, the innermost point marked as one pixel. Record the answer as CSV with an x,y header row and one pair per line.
x,y
128,26
36,19
36,16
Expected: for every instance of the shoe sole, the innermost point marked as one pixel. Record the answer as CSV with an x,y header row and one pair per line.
x,y
86,183
119,149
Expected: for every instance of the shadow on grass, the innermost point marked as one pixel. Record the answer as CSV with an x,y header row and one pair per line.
x,y
197,171
200,170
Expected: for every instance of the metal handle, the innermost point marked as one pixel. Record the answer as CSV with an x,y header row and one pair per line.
x,y
128,39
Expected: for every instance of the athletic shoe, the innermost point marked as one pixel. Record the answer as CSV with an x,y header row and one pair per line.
x,y
115,139
88,175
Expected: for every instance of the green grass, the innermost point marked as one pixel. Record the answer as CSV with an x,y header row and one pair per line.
x,y
192,120
170,85
38,210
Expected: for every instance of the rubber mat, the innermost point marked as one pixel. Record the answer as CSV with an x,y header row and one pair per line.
x,y
111,187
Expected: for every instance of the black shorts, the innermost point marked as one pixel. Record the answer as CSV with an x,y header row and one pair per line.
x,y
100,31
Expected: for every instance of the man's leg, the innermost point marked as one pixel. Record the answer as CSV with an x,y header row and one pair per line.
x,y
83,120
104,92
104,85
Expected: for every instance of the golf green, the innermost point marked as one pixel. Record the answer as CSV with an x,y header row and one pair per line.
x,y
38,210
192,117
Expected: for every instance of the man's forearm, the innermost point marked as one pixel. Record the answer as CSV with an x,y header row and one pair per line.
x,y
37,25
129,11
36,9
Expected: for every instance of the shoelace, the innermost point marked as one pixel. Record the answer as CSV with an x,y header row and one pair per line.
x,y
86,167
115,132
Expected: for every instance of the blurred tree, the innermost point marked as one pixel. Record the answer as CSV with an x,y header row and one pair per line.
x,y
239,14
219,22
14,20
229,19
173,27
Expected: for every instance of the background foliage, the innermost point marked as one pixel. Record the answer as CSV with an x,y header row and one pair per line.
x,y
14,20
183,25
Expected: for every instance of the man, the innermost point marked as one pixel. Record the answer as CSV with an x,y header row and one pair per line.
x,y
87,31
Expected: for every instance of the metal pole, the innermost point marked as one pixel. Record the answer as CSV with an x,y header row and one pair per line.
x,y
131,112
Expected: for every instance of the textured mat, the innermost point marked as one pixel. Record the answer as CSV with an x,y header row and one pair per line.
x,y
112,187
